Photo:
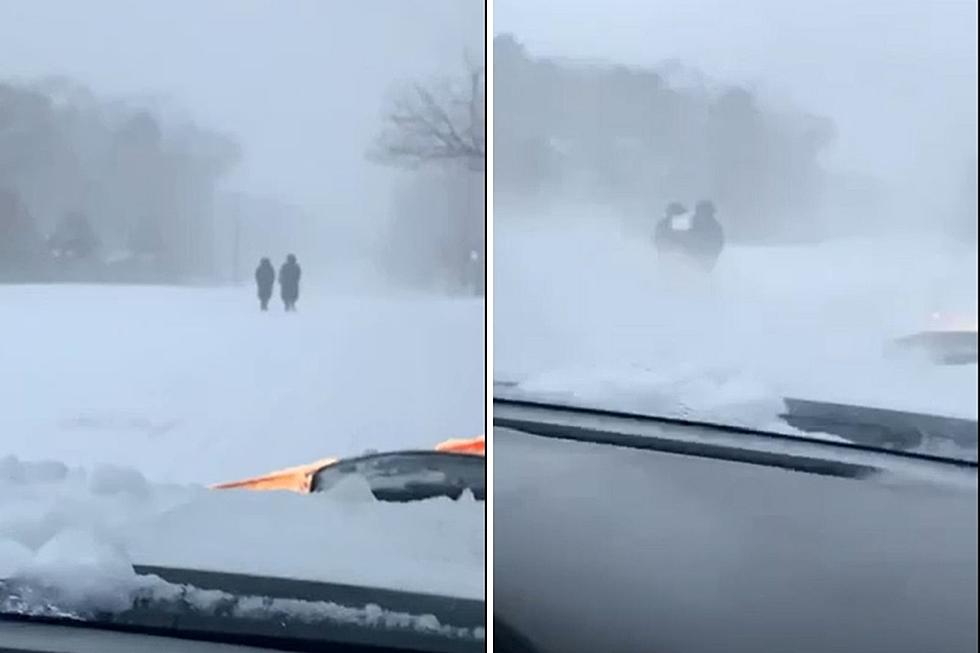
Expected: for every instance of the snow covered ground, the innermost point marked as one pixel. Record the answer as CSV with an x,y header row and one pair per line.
x,y
120,403
198,386
79,528
583,310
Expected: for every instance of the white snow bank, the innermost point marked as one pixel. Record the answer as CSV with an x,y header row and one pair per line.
x,y
101,591
82,531
83,570
721,395
63,596
197,386
583,307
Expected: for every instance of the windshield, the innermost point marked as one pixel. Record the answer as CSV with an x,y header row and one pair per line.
x,y
722,212
236,246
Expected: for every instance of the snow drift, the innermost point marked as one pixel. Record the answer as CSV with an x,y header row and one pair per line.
x,y
582,308
149,393
81,531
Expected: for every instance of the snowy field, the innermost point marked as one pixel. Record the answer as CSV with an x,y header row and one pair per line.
x,y
120,403
198,386
584,311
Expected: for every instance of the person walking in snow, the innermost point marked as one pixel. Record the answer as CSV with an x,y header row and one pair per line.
x,y
265,279
690,238
707,238
289,275
670,234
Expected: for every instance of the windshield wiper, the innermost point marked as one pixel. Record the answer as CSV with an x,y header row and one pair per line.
x,y
881,427
935,437
705,439
276,613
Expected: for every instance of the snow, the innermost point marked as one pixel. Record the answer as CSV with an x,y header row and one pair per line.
x,y
711,395
581,311
196,385
71,600
83,531
121,403
85,569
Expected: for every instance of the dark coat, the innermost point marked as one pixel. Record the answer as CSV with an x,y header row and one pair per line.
x,y
265,278
707,240
289,275
703,242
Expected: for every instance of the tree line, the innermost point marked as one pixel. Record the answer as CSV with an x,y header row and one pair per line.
x,y
636,138
630,137
95,189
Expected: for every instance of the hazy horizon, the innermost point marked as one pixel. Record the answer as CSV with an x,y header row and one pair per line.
x,y
835,241
300,84
899,78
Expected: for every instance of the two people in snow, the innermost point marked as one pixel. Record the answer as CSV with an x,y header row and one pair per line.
x,y
289,274
692,237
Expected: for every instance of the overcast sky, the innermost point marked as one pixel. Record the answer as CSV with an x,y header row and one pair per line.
x,y
300,82
898,76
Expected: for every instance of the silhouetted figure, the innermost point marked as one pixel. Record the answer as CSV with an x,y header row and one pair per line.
x,y
670,234
707,236
289,275
265,279
694,238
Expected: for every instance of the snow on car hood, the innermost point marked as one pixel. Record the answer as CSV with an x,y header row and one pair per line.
x,y
84,529
721,396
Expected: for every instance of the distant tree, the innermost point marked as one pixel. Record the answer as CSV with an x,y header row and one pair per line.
x,y
637,137
74,237
145,239
439,123
441,126
64,150
141,131
21,249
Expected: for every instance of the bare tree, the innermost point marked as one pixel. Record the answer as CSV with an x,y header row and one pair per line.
x,y
442,123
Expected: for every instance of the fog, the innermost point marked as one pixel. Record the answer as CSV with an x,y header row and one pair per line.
x,y
151,153
297,87
899,78
838,143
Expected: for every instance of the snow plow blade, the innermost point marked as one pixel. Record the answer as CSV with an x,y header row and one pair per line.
x,y
475,446
300,478
883,428
295,479
941,347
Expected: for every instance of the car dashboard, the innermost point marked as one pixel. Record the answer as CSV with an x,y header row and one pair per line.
x,y
613,533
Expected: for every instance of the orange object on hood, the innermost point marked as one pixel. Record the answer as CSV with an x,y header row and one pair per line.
x,y
300,478
475,446
296,479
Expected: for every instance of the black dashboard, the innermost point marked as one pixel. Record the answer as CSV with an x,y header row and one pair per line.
x,y
706,544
